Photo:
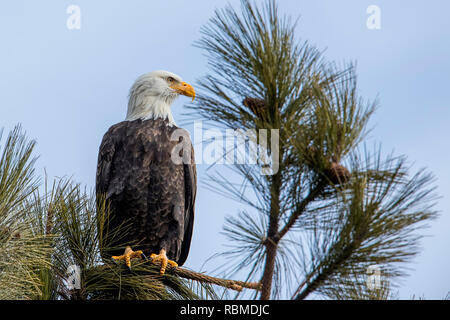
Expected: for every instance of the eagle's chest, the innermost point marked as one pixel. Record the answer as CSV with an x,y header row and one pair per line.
x,y
147,161
155,148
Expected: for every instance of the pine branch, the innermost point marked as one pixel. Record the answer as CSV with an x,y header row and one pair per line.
x,y
323,274
300,209
197,276
230,284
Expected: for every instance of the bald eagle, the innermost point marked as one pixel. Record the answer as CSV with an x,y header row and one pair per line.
x,y
145,189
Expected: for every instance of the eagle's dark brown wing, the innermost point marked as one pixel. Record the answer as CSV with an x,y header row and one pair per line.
x,y
190,189
105,156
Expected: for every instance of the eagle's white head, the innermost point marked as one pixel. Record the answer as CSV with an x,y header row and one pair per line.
x,y
153,93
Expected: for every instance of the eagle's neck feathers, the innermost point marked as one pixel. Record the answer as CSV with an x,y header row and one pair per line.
x,y
150,107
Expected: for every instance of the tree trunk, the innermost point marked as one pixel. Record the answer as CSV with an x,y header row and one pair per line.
x,y
272,239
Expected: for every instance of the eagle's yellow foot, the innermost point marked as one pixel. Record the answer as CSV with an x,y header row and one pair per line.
x,y
128,255
162,258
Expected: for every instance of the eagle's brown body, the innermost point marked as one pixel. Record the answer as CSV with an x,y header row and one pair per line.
x,y
148,193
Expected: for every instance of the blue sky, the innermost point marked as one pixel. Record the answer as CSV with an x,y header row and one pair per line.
x,y
67,87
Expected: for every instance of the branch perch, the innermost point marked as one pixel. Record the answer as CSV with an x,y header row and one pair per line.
x,y
201,277
231,284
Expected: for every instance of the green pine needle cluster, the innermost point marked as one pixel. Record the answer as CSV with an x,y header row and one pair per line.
x,y
22,252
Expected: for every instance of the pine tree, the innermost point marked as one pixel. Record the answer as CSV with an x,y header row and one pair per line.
x,y
335,208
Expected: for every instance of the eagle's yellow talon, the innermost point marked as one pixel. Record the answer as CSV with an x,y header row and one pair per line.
x,y
162,258
128,255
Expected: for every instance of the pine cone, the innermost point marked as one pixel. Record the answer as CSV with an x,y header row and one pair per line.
x,y
257,106
337,173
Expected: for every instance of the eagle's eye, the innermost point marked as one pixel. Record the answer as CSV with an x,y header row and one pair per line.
x,y
170,80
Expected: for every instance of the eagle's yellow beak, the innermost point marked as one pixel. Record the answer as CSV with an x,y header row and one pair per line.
x,y
185,89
